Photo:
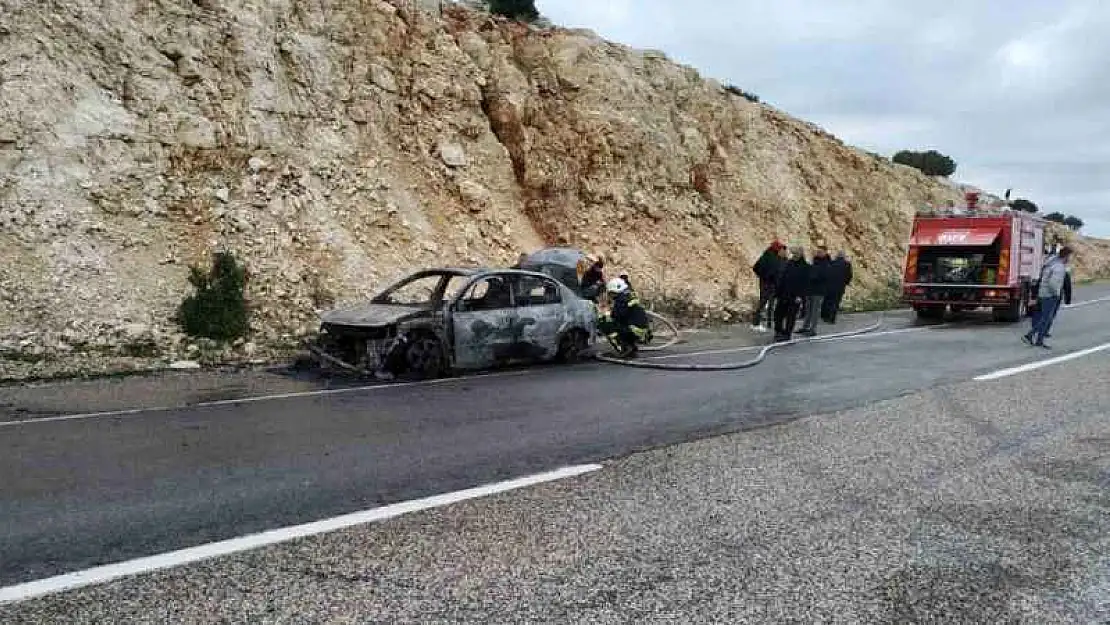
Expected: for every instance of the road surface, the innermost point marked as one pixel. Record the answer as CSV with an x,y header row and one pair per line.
x,y
104,488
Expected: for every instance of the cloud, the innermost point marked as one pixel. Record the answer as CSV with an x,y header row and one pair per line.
x,y
1015,92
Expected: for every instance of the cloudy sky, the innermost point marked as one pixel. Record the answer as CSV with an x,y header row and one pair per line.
x,y
1017,92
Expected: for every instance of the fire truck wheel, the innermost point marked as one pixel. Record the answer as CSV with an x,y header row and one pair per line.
x,y
931,312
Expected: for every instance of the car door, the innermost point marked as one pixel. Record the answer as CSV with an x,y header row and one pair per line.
x,y
541,315
482,320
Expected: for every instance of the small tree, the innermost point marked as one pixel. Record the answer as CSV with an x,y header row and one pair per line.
x,y
1059,218
1073,222
524,10
218,309
931,163
737,91
1022,204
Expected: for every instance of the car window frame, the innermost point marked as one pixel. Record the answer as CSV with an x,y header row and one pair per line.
x,y
457,303
540,280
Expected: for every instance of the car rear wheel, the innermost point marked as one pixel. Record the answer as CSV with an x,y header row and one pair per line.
x,y
424,358
572,345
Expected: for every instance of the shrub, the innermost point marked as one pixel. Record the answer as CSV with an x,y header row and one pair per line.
x,y
524,10
1059,218
1023,205
931,163
218,309
1073,222
737,91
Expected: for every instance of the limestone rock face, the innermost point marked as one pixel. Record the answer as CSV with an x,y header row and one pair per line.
x,y
336,145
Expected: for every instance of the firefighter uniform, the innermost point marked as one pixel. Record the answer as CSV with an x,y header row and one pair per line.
x,y
626,324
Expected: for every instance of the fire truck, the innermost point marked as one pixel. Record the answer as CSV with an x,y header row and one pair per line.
x,y
981,257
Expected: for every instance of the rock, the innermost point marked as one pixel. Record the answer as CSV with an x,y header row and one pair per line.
x,y
185,365
257,164
452,154
383,78
222,194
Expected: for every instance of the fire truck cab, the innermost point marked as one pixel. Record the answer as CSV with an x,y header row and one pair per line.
x,y
981,257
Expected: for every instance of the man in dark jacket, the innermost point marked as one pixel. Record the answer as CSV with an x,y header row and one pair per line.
x,y
767,270
840,276
593,280
817,288
789,291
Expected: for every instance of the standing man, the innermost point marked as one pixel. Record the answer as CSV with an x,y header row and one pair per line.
x,y
593,280
767,270
789,291
819,284
1053,276
840,276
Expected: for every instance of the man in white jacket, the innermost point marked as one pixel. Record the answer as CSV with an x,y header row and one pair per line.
x,y
1049,292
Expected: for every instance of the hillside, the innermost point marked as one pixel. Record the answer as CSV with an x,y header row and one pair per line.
x,y
334,145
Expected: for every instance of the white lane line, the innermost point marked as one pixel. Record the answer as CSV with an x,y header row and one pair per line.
x,y
1087,302
752,348
106,573
257,398
749,348
1042,363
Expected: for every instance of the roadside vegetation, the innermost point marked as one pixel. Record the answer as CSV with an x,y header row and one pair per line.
x,y
930,163
218,308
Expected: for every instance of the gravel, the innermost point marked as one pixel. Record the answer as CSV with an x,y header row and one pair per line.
x,y
979,503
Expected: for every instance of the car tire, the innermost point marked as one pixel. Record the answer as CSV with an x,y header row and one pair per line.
x,y
424,358
572,344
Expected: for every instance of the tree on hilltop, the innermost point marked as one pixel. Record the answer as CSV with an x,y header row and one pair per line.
x,y
1073,222
1022,204
930,163
1059,218
524,10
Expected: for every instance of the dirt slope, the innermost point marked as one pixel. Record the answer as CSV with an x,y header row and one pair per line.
x,y
335,144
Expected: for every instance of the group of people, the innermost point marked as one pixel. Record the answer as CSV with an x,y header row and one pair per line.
x,y
792,288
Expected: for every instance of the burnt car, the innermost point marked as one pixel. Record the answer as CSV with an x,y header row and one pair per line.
x,y
439,321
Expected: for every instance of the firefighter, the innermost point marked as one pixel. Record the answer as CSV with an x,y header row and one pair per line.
x,y
626,323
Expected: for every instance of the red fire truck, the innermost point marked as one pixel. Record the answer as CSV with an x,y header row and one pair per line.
x,y
978,258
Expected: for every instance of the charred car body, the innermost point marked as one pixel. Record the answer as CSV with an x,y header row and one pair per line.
x,y
437,321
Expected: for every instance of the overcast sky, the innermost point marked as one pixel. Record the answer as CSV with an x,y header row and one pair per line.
x,y
1016,92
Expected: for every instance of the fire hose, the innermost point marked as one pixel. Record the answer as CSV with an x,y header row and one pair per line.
x,y
731,366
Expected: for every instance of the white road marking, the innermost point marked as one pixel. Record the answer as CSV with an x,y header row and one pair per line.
x,y
109,572
750,348
257,398
1087,302
1042,363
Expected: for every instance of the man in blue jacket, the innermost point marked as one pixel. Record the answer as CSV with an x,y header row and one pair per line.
x,y
1053,276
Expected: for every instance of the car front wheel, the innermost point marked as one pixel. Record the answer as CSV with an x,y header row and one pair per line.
x,y
424,357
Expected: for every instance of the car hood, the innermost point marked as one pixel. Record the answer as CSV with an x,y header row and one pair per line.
x,y
370,315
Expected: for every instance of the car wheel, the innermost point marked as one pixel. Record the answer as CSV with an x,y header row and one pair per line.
x,y
571,347
424,357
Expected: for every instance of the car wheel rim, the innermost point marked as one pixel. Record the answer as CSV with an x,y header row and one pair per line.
x,y
423,356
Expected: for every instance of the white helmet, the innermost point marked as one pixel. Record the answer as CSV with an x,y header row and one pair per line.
x,y
616,285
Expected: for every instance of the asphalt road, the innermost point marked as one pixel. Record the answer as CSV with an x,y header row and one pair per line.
x,y
983,501
83,492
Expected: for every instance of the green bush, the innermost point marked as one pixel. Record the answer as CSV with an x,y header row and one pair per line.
x,y
218,309
931,163
1059,218
1073,222
1021,204
516,9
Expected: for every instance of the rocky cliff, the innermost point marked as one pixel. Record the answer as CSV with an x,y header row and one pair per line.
x,y
333,145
